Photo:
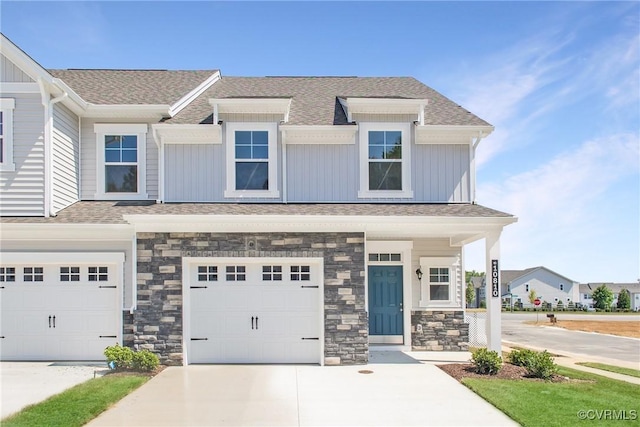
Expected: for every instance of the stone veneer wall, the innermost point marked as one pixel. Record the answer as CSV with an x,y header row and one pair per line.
x,y
127,329
157,321
441,331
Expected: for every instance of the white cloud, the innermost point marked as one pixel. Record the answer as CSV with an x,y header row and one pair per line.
x,y
563,208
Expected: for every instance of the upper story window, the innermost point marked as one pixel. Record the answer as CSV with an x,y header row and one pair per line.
x,y
251,160
7,105
121,153
385,163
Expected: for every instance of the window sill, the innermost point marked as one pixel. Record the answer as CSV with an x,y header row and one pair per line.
x,y
385,194
7,167
432,305
121,196
251,194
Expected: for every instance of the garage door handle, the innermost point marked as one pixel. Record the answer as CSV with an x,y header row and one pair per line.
x,y
54,321
311,339
257,322
199,339
107,336
251,322
107,287
49,321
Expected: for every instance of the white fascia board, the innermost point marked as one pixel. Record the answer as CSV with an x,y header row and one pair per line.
x,y
23,61
445,134
157,111
73,100
57,232
62,257
252,105
188,98
19,87
445,227
187,133
325,134
385,105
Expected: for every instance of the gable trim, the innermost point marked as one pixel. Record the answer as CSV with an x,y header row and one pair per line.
x,y
188,98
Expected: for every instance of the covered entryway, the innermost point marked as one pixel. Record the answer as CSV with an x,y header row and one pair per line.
x,y
248,310
385,304
59,306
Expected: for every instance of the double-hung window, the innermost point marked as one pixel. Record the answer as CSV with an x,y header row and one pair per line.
x,y
121,152
7,105
251,160
385,160
440,285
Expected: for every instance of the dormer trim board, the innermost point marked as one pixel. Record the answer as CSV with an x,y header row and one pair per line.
x,y
187,134
431,134
251,105
188,98
156,112
345,134
384,106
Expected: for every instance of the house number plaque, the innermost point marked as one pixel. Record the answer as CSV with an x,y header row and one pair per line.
x,y
495,271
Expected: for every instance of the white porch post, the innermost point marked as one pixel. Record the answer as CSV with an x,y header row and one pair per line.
x,y
492,292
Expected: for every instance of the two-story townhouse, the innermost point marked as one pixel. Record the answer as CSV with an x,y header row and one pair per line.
x,y
586,293
549,286
233,219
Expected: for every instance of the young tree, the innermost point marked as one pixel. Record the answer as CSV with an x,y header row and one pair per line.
x,y
602,297
532,296
470,293
469,274
624,299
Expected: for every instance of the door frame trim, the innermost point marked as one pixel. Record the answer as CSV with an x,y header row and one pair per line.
x,y
405,248
190,262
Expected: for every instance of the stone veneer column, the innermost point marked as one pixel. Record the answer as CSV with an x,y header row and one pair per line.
x,y
157,321
441,331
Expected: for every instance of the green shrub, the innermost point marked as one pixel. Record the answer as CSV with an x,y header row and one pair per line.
x,y
119,357
541,365
145,360
486,361
520,357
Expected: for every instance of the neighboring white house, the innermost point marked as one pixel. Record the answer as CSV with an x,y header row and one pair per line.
x,y
216,219
549,286
586,292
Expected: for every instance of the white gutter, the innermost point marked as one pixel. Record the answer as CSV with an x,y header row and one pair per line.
x,y
48,146
472,164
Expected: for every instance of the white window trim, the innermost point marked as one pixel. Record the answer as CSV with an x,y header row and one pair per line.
x,y
7,105
139,130
452,263
272,129
406,191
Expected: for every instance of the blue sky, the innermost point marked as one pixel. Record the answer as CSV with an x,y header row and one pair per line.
x,y
558,80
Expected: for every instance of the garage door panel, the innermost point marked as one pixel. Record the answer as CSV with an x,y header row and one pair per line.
x,y
255,321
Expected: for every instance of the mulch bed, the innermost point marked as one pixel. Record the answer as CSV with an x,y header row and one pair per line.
x,y
507,372
125,372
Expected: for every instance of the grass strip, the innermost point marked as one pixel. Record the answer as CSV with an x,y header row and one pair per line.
x,y
612,368
77,405
596,400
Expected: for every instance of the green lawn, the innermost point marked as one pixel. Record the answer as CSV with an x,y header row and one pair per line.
x,y
612,368
78,405
531,403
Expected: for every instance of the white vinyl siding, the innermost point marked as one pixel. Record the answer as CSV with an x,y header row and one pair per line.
x,y
66,152
22,190
435,248
441,173
322,173
9,72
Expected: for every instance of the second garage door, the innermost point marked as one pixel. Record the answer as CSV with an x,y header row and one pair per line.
x,y
242,311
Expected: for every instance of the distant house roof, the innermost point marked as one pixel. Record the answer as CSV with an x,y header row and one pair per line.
x,y
633,287
508,276
110,212
314,100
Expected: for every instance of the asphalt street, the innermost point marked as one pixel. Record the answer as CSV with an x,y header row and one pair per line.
x,y
514,330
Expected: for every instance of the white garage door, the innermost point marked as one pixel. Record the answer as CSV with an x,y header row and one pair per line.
x,y
59,311
247,312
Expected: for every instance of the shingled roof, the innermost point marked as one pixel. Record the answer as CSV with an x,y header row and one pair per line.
x,y
314,100
137,87
110,212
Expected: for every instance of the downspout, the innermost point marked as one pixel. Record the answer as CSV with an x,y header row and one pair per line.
x,y
284,168
161,182
48,146
472,153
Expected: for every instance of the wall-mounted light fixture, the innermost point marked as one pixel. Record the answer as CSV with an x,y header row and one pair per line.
x,y
419,273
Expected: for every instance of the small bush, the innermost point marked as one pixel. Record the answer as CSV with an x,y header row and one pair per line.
x,y
121,357
486,361
521,357
145,360
541,365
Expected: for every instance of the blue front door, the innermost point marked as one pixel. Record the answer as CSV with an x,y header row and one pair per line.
x,y
385,300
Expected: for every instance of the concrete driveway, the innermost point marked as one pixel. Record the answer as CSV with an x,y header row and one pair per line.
x,y
384,394
25,383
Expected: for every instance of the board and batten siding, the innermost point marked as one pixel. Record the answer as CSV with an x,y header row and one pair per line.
x,y
441,172
22,190
194,172
66,152
88,160
322,173
11,73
